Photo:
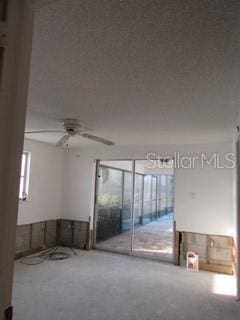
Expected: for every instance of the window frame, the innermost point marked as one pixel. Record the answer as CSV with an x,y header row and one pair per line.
x,y
25,176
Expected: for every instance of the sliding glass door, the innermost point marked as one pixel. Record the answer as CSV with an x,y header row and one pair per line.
x,y
134,208
153,233
113,205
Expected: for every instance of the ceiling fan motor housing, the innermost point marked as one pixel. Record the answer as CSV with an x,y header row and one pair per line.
x,y
72,126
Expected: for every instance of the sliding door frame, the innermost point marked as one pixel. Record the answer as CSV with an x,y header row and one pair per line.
x,y
96,192
131,251
132,208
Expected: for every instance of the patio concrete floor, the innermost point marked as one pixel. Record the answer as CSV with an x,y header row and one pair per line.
x,y
154,240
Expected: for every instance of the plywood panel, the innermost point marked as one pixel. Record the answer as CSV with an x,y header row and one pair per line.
x,y
37,235
216,252
23,238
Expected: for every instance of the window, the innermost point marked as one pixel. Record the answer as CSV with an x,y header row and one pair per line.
x,y
24,177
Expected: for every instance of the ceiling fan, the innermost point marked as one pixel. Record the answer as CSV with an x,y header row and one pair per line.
x,y
73,127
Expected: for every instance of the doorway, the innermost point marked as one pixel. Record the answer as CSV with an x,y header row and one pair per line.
x,y
134,208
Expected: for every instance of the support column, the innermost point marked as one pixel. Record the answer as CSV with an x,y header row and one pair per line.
x,y
13,101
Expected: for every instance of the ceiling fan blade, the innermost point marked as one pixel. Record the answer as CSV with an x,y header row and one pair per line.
x,y
84,128
97,139
62,141
42,131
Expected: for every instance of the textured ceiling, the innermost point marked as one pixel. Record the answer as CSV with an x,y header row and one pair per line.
x,y
137,72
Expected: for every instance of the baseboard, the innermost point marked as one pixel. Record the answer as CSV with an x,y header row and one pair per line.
x,y
216,268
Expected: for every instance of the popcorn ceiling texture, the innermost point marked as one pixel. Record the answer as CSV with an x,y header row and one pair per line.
x,y
138,72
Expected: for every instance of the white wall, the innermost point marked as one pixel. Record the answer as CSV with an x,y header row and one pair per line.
x,y
62,185
204,201
44,185
204,197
